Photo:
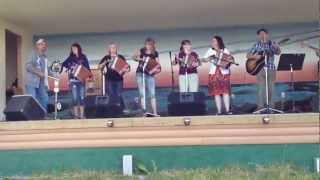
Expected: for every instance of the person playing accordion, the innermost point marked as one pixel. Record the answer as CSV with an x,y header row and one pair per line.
x,y
115,66
72,64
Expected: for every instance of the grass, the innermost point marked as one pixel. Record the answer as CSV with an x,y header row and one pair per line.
x,y
283,172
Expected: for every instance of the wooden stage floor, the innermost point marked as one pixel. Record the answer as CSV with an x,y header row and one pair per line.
x,y
163,131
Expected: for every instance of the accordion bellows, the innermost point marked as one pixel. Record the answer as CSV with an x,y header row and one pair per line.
x,y
82,73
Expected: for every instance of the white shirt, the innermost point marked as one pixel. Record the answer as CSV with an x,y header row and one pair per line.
x,y
213,67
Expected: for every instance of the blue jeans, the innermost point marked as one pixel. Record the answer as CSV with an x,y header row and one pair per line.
x,y
150,85
78,93
114,90
40,94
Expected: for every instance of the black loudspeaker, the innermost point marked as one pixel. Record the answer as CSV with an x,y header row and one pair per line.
x,y
103,107
246,108
24,107
187,104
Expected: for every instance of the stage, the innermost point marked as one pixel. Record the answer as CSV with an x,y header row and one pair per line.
x,y
165,142
162,131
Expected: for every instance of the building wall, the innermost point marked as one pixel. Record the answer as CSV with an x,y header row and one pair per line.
x,y
25,48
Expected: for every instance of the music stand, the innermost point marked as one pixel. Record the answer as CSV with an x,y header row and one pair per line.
x,y
291,62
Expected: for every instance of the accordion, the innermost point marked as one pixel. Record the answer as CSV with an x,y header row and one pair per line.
x,y
82,73
188,61
225,61
119,65
151,66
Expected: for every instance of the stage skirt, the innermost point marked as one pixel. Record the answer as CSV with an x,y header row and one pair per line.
x,y
218,83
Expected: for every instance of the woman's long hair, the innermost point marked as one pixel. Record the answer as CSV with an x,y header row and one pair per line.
x,y
76,45
151,41
184,42
220,42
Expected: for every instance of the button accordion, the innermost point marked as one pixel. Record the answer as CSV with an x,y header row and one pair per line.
x,y
119,65
225,61
188,61
151,66
82,73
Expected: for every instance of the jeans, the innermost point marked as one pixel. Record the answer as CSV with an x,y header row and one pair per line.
x,y
149,83
40,94
261,87
189,85
114,90
78,93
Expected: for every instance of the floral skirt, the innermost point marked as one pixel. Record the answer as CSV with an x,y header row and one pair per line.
x,y
218,83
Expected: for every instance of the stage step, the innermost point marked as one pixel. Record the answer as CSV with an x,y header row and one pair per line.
x,y
208,130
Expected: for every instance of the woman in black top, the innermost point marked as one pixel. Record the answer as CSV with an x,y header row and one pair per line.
x,y
146,82
77,87
114,81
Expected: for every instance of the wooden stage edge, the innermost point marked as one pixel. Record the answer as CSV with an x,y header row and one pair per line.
x,y
302,128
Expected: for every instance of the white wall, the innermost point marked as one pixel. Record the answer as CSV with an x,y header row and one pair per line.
x,y
26,46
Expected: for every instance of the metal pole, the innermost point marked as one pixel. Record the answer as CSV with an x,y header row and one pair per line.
x,y
292,88
172,73
186,74
103,82
267,83
143,84
56,91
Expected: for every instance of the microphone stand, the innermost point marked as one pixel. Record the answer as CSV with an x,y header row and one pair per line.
x,y
144,106
267,109
57,105
104,80
172,73
186,83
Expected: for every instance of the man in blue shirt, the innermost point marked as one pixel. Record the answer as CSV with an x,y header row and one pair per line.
x,y
269,49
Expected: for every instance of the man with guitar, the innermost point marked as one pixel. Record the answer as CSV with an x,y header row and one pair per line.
x,y
264,51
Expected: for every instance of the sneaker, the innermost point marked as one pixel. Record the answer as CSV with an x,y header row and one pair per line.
x,y
229,113
151,115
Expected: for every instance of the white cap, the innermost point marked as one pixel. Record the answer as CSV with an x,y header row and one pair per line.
x,y
40,41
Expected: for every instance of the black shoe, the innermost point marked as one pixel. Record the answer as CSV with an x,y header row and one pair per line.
x,y
229,113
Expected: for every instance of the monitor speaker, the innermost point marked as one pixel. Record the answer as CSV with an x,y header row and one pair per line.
x,y
24,107
187,104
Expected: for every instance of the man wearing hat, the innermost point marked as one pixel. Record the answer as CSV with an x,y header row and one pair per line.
x,y
269,49
37,74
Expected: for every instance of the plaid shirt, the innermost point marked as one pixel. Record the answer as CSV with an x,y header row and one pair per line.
x,y
269,49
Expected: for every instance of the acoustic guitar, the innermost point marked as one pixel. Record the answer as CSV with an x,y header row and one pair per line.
x,y
254,65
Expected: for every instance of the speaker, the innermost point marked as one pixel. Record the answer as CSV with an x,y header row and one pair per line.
x,y
246,108
187,104
90,107
103,107
24,107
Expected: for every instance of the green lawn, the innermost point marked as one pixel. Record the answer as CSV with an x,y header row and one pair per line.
x,y
283,172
